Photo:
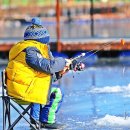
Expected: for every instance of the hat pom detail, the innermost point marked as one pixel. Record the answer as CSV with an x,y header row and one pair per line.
x,y
36,21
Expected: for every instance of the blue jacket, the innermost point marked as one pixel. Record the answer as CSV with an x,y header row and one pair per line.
x,y
35,60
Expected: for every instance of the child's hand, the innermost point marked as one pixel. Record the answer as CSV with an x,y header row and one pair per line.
x,y
65,70
67,67
68,62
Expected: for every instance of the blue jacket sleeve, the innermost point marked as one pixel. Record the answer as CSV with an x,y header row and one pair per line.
x,y
35,60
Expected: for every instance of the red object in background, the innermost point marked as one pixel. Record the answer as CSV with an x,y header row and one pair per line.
x,y
122,41
58,25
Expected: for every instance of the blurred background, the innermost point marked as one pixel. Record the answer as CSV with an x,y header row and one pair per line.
x,y
70,22
97,98
75,17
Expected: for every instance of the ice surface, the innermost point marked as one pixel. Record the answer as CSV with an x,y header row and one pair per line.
x,y
111,89
110,120
95,99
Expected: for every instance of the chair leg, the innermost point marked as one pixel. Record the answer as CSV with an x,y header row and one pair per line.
x,y
7,118
6,112
38,123
21,116
4,126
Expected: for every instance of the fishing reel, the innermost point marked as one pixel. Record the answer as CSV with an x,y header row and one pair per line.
x,y
77,66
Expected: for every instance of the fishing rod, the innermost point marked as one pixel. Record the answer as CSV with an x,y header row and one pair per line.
x,y
102,46
79,65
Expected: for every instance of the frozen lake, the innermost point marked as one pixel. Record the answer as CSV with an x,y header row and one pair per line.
x,y
95,99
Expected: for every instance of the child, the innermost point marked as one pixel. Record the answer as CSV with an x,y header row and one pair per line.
x,y
31,71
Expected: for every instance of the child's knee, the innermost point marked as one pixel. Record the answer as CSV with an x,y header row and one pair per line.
x,y
56,94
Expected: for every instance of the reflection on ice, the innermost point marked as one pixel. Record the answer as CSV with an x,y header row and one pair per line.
x,y
111,89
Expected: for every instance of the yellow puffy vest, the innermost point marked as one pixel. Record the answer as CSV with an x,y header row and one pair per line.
x,y
23,82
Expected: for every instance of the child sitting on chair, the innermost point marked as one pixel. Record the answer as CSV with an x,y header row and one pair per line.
x,y
31,71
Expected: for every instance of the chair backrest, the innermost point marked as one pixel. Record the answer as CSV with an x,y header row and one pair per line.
x,y
4,86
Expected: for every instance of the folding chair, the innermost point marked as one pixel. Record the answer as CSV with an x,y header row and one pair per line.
x,y
8,102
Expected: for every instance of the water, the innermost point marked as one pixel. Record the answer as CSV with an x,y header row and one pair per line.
x,y
75,29
95,99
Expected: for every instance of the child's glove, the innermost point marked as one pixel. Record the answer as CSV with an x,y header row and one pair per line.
x,y
73,64
68,62
66,68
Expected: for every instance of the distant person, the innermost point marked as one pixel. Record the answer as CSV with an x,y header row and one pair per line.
x,y
69,16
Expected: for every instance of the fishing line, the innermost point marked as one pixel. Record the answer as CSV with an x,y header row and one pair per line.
x,y
102,47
